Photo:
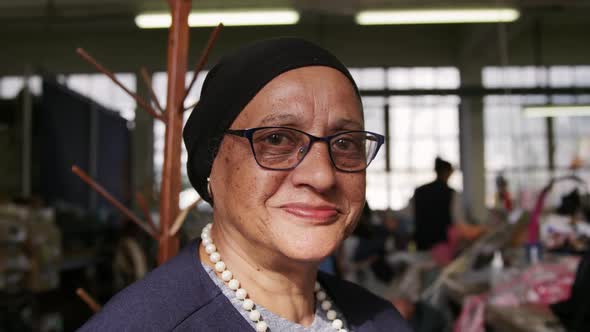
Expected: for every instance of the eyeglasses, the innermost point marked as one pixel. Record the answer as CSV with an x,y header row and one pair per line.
x,y
282,148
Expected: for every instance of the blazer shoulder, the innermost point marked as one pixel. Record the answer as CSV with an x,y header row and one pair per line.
x,y
161,300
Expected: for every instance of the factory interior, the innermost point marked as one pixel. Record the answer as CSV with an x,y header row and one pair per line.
x,y
94,192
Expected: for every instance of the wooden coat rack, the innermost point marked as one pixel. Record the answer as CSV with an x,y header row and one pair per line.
x,y
171,115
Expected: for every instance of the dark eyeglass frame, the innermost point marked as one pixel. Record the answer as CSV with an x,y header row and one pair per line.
x,y
249,134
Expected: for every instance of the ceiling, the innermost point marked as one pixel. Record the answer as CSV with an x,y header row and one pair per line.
x,y
45,33
17,10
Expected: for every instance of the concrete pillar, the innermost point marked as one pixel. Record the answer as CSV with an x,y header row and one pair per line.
x,y
471,143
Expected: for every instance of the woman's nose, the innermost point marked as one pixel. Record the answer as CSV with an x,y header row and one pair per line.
x,y
316,170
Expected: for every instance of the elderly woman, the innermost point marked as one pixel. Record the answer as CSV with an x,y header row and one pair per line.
x,y
277,146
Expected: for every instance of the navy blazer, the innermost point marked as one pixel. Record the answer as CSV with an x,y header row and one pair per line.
x,y
180,296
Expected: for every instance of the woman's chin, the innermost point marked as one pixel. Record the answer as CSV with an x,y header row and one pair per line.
x,y
309,251
303,242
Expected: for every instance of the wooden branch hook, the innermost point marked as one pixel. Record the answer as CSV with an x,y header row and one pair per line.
x,y
102,191
148,82
112,76
182,217
202,61
94,306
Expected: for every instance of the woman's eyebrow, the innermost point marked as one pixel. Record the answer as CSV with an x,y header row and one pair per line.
x,y
280,119
344,123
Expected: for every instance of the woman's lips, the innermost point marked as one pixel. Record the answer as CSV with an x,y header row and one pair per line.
x,y
315,212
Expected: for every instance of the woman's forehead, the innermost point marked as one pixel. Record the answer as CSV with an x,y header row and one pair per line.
x,y
305,94
298,115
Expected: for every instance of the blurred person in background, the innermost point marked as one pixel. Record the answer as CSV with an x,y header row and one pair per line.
x,y
503,197
436,207
439,221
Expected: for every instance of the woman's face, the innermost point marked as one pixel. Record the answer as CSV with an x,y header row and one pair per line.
x,y
302,214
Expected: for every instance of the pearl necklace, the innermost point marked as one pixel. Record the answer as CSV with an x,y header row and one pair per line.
x,y
242,295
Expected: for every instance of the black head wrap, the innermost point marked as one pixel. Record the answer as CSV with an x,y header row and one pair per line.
x,y
229,87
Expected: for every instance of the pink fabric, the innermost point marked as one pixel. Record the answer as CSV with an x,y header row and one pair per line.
x,y
542,284
472,316
444,252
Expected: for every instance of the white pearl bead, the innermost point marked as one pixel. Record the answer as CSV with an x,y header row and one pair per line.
x,y
248,304
215,257
331,314
321,295
233,284
241,294
261,326
337,324
205,235
254,315
226,275
207,242
220,266
210,248
326,305
317,286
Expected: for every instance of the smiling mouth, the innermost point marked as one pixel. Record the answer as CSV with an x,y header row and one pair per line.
x,y
317,214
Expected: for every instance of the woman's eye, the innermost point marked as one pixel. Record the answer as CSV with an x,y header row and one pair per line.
x,y
276,139
344,144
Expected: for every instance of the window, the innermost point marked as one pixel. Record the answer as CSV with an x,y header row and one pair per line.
x,y
10,86
516,145
101,89
420,128
160,84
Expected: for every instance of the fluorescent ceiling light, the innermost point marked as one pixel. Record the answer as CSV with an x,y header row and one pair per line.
x,y
228,18
556,110
436,16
